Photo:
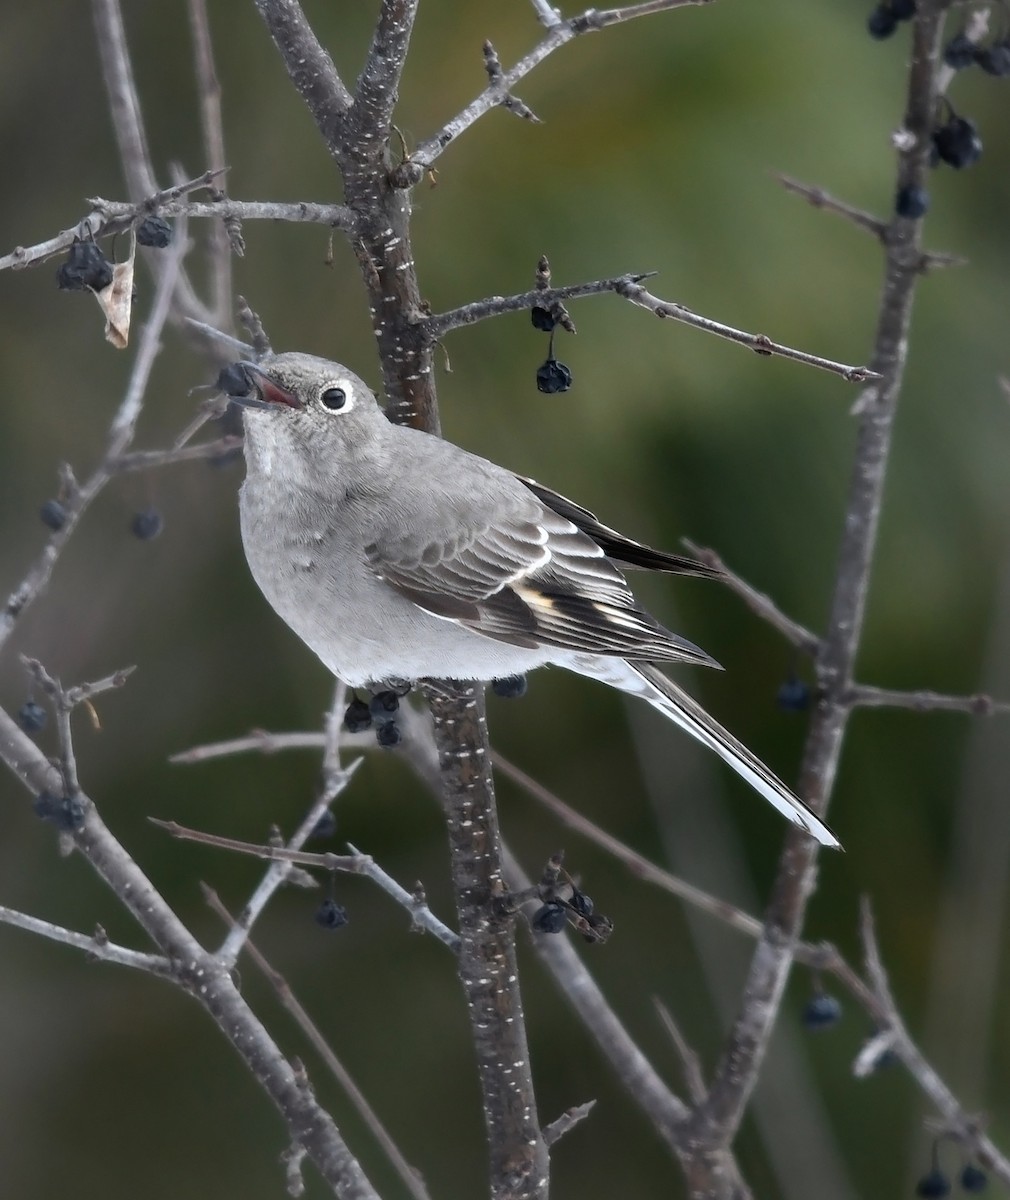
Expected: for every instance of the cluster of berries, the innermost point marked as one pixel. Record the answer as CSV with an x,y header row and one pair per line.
x,y
379,712
955,140
993,57
86,267
936,1182
552,376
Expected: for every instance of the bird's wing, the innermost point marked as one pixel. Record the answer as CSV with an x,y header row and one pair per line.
x,y
512,568
615,545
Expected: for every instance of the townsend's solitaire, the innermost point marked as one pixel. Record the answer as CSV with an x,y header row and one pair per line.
x,y
395,555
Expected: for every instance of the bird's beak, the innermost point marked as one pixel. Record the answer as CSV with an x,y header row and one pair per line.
x,y
268,392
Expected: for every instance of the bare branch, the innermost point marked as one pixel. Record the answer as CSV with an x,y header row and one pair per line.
x,y
734,1079
199,972
794,633
863,696
629,286
108,217
487,955
96,945
758,342
959,1123
408,1174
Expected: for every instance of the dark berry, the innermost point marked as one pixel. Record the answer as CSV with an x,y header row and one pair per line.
x,y
233,380
581,903
388,734
53,514
32,717
509,686
154,231
821,1012
553,377
959,52
358,717
325,827
65,812
903,10
331,915
84,267
147,524
543,319
958,143
384,706
973,1179
793,696
551,918
933,1184
881,22
911,202
995,59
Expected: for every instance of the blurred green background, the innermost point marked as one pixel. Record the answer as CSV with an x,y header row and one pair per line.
x,y
656,152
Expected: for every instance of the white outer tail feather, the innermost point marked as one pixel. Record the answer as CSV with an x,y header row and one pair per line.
x,y
674,703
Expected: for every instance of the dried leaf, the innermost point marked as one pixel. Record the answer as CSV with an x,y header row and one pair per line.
x,y
116,300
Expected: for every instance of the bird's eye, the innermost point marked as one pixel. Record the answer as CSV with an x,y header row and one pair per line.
x,y
333,399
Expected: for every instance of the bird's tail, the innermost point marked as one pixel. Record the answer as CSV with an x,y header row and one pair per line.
x,y
641,679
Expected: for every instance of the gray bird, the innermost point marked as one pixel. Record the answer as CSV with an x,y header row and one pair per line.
x,y
395,555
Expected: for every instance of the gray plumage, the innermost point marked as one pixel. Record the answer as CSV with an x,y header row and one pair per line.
x,y
397,555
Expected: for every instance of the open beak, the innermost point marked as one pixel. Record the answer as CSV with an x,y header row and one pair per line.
x,y
267,393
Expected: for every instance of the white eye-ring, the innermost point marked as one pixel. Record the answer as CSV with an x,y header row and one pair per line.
x,y
333,399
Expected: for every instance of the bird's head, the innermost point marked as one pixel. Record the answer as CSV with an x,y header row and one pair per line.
x,y
297,404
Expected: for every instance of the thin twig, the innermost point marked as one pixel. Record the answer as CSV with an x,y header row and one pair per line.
x,y
861,695
354,863
567,1122
335,780
558,34
212,130
123,102
689,1060
435,327
819,198
760,343
411,1177
145,460
96,945
260,740
794,633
